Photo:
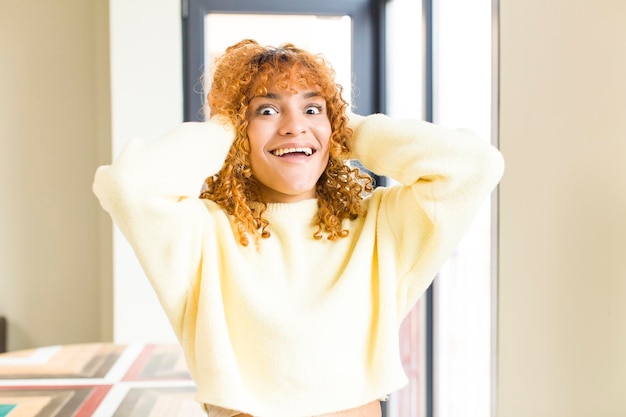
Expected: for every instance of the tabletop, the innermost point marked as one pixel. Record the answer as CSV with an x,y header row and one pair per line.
x,y
97,380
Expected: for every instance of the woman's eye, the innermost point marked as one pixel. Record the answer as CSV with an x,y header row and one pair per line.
x,y
266,111
313,110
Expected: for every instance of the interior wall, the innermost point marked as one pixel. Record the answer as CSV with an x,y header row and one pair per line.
x,y
53,120
146,101
562,300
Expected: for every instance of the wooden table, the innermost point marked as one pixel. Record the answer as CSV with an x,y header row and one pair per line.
x,y
97,380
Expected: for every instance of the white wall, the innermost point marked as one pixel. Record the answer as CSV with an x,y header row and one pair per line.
x,y
53,119
562,319
147,101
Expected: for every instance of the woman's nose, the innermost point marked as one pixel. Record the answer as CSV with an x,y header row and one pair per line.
x,y
292,123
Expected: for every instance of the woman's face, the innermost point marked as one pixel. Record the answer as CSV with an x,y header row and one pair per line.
x,y
289,133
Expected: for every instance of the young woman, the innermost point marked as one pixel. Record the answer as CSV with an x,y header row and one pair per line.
x,y
284,276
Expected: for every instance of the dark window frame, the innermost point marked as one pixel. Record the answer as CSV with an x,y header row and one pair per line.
x,y
367,34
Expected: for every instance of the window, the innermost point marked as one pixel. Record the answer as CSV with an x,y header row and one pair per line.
x,y
365,21
329,35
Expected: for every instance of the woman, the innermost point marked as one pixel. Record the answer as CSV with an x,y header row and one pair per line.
x,y
287,280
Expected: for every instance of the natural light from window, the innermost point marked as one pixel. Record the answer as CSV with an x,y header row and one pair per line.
x,y
328,35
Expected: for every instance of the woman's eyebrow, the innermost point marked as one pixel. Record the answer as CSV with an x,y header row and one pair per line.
x,y
276,96
311,94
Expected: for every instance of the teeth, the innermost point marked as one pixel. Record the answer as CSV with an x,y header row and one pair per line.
x,y
284,151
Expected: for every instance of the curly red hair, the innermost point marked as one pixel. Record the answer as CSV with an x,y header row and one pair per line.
x,y
246,70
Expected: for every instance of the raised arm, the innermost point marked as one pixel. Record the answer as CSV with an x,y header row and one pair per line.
x,y
151,192
445,176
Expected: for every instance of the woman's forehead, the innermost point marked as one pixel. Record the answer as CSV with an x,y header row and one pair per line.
x,y
285,85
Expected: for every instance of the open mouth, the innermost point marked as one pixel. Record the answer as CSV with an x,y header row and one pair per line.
x,y
291,151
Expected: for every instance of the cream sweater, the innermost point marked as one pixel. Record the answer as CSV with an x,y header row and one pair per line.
x,y
300,326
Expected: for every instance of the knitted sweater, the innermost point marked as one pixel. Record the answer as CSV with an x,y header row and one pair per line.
x,y
297,326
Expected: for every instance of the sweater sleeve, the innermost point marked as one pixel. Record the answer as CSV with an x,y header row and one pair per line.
x,y
445,175
151,192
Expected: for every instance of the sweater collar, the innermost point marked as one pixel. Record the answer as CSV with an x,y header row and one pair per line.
x,y
305,209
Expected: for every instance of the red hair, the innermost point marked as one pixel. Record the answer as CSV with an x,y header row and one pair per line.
x,y
246,70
